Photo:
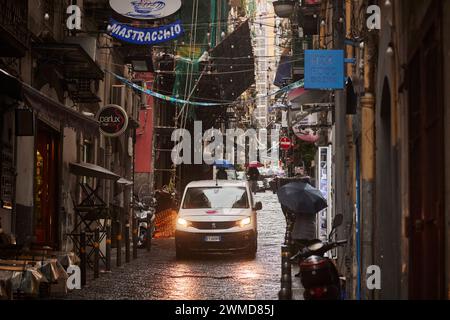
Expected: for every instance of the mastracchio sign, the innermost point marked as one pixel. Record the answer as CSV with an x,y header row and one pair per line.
x,y
145,9
113,120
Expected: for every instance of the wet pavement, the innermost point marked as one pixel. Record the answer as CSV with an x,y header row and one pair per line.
x,y
158,275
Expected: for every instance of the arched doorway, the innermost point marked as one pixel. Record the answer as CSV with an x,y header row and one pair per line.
x,y
388,215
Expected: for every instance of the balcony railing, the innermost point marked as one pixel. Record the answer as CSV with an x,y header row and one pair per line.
x,y
14,27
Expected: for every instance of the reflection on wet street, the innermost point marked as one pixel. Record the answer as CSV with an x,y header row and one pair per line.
x,y
158,275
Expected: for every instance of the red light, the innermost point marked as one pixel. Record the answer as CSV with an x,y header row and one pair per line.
x,y
318,292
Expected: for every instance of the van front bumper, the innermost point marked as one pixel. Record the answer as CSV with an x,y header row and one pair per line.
x,y
229,242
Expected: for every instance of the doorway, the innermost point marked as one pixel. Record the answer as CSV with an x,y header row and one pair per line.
x,y
388,213
426,171
46,185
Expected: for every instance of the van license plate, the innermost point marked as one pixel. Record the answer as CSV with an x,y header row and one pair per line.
x,y
212,239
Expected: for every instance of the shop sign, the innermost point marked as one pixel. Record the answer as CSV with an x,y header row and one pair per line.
x,y
145,9
113,120
148,36
304,133
324,69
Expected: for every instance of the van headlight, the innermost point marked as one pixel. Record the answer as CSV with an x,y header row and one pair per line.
x,y
244,222
183,222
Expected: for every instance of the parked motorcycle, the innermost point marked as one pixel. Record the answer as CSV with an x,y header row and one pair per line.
x,y
318,273
141,212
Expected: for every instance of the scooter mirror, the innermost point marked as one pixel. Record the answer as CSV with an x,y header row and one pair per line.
x,y
338,220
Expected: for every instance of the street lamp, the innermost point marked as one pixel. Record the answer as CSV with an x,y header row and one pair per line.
x,y
284,8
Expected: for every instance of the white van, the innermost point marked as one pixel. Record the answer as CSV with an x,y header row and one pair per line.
x,y
217,216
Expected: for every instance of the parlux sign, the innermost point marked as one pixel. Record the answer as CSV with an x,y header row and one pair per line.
x,y
145,9
113,120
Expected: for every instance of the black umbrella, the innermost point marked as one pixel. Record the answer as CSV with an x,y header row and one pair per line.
x,y
300,197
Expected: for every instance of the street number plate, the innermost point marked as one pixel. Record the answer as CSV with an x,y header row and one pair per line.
x,y
212,239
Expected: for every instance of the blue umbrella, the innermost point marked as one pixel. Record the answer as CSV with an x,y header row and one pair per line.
x,y
223,164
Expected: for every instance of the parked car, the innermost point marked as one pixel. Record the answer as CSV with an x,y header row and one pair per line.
x,y
217,216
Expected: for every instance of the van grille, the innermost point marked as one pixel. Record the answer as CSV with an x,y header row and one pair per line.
x,y
214,225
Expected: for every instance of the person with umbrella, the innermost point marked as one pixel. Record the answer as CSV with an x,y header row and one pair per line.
x,y
221,174
300,203
221,166
253,175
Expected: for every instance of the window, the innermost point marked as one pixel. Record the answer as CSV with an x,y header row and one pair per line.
x,y
118,95
216,198
87,156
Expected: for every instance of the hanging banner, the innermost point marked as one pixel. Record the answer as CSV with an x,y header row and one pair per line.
x,y
145,9
149,36
201,104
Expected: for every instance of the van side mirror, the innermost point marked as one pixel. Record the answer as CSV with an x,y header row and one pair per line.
x,y
258,206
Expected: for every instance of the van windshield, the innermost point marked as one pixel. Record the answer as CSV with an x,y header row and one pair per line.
x,y
216,198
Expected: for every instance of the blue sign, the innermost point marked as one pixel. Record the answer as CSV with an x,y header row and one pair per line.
x,y
324,69
149,36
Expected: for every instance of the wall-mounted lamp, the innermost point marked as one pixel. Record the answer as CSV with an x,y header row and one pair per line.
x,y
284,8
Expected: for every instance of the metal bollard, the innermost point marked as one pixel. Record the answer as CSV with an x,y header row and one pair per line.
x,y
135,238
96,253
127,242
83,260
108,246
286,274
119,245
149,232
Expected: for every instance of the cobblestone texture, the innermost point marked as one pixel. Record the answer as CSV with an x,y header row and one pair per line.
x,y
158,275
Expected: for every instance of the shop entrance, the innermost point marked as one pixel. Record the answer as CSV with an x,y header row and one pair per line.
x,y
46,185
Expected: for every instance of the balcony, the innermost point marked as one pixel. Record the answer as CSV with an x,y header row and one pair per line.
x,y
14,36
77,65
308,17
82,90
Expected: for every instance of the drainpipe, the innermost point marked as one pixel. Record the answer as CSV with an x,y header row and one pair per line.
x,y
108,156
367,166
352,161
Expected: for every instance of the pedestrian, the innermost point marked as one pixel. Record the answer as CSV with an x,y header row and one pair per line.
x,y
303,231
222,174
253,177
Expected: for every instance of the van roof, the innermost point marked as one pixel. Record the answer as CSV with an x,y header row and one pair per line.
x,y
214,183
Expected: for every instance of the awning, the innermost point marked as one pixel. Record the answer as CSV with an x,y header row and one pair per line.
x,y
124,182
233,69
92,170
18,90
75,61
301,96
284,71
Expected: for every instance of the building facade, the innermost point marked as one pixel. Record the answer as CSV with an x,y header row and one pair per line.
x,y
390,141
54,81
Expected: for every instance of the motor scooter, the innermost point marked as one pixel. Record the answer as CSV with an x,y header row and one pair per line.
x,y
141,212
318,272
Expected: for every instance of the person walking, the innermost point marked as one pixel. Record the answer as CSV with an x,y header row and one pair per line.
x,y
222,174
253,177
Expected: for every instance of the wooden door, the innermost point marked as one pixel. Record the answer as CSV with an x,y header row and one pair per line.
x,y
46,186
427,171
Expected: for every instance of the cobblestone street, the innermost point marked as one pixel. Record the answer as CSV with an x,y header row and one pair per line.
x,y
158,275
